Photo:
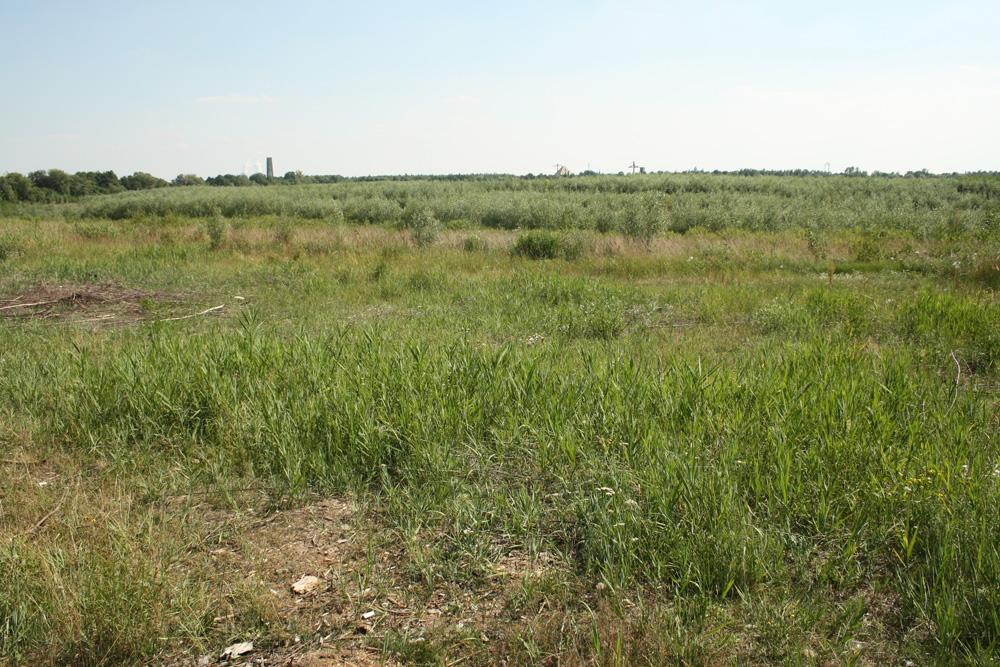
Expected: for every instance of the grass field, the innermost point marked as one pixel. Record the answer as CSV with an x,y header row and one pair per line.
x,y
690,420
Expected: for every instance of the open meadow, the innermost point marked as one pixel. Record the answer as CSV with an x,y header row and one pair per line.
x,y
680,419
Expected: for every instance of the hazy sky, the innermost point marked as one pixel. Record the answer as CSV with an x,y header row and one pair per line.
x,y
454,87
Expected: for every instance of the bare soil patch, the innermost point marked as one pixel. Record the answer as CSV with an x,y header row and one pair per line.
x,y
96,304
367,600
321,624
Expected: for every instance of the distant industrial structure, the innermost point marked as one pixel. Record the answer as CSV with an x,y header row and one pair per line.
x,y
562,170
270,168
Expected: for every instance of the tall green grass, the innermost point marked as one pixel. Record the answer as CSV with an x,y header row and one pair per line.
x,y
715,475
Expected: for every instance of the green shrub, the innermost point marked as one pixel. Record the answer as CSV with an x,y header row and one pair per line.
x,y
473,243
538,244
545,244
218,232
424,227
643,217
574,244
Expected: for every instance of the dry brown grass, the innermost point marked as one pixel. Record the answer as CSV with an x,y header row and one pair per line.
x,y
94,304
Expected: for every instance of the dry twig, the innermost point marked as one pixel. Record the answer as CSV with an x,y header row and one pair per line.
x,y
957,378
29,305
46,517
185,317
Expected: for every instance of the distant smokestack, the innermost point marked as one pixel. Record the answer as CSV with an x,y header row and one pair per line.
x,y
270,168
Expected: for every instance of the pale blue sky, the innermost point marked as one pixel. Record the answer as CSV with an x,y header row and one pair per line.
x,y
456,87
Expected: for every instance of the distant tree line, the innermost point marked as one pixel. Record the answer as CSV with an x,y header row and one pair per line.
x,y
56,185
242,180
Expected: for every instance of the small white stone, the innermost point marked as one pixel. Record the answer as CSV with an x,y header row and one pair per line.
x,y
306,584
236,650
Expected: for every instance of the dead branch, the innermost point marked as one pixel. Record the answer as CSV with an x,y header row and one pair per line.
x,y
30,305
186,317
46,517
957,378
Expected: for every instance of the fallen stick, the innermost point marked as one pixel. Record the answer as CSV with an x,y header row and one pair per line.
x,y
957,380
101,318
46,517
29,305
186,317
394,611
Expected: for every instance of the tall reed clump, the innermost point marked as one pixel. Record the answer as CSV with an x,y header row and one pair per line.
x,y
643,217
986,271
8,247
545,244
537,244
217,230
424,227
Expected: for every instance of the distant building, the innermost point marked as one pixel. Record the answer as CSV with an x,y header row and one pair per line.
x,y
564,171
270,168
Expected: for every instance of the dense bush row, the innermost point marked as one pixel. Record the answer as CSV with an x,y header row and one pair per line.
x,y
640,206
